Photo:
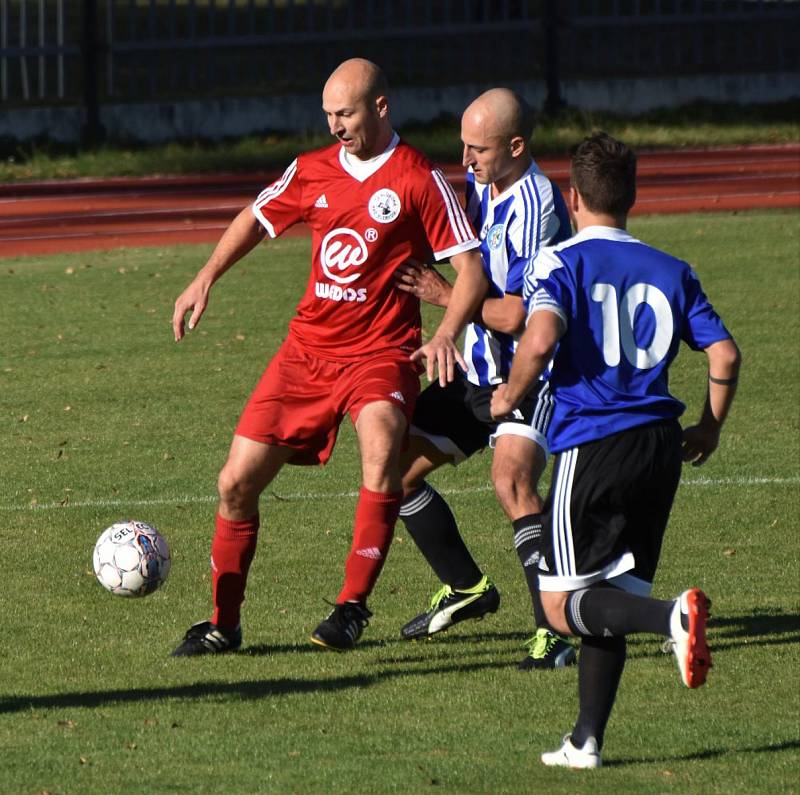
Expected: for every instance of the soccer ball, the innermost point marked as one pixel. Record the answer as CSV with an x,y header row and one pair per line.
x,y
131,559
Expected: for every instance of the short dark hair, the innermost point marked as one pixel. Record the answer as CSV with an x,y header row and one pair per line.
x,y
604,173
524,119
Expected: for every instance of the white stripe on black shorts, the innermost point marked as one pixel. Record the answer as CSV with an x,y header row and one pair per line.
x,y
608,507
457,420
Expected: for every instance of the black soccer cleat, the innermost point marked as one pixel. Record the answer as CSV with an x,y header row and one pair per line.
x,y
207,638
343,627
546,650
449,606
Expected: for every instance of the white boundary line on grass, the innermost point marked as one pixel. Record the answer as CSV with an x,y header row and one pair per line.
x,y
121,503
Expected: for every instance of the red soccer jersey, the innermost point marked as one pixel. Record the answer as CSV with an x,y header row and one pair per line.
x,y
367,218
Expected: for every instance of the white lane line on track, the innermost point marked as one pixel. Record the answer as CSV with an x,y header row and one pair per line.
x,y
208,227
700,182
118,233
122,213
720,196
189,209
189,499
198,227
646,165
137,193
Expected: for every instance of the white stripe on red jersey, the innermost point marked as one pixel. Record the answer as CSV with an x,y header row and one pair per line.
x,y
271,192
456,216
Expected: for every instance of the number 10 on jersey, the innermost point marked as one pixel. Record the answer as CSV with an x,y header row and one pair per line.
x,y
618,324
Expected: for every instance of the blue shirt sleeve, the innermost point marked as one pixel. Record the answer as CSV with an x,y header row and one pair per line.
x,y
546,285
702,326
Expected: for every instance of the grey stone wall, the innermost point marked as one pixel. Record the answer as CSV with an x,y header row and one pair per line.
x,y
217,119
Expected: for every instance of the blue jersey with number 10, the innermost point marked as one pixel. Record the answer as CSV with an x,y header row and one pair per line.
x,y
625,307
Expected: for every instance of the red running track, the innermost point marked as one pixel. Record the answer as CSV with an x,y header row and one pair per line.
x,y
85,214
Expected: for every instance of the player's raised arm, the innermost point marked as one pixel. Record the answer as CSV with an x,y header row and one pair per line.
x,y
241,237
534,352
423,281
505,314
441,351
700,441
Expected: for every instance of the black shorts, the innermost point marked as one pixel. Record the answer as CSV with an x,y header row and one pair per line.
x,y
608,507
456,418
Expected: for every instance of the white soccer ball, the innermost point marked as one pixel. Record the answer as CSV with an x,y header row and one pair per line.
x,y
131,559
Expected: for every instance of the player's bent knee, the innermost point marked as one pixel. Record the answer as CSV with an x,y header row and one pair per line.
x,y
235,492
411,486
506,492
417,461
516,493
553,604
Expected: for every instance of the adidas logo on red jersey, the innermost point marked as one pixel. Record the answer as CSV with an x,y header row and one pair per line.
x,y
321,201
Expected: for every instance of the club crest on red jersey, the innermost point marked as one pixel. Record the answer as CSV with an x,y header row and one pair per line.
x,y
384,206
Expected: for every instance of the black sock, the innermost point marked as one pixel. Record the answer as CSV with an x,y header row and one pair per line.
x,y
599,670
431,524
602,611
527,540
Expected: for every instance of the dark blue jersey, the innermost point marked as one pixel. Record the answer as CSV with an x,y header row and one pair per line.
x,y
625,307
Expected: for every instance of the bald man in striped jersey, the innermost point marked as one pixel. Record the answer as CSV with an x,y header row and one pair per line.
x,y
516,210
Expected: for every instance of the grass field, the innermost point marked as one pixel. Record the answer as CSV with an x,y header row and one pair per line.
x,y
104,417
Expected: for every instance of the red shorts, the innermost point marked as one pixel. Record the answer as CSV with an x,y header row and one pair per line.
x,y
301,400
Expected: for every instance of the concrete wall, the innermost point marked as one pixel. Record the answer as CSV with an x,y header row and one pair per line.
x,y
215,119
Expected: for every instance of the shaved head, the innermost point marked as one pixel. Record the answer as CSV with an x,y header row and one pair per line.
x,y
355,104
496,129
501,113
360,77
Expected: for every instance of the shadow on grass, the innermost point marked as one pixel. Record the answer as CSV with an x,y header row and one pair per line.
x,y
711,753
757,628
441,639
268,649
463,635
249,690
760,626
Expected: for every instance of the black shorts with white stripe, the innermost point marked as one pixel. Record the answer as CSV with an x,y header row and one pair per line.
x,y
607,510
457,420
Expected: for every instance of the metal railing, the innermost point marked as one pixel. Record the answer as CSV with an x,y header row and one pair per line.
x,y
32,43
91,52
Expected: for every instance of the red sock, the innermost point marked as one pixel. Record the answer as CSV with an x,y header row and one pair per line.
x,y
232,550
376,515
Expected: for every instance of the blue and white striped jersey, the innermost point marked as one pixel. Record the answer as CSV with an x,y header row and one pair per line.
x,y
512,227
626,307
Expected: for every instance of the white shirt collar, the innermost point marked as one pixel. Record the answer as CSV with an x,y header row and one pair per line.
x,y
364,169
603,233
532,169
